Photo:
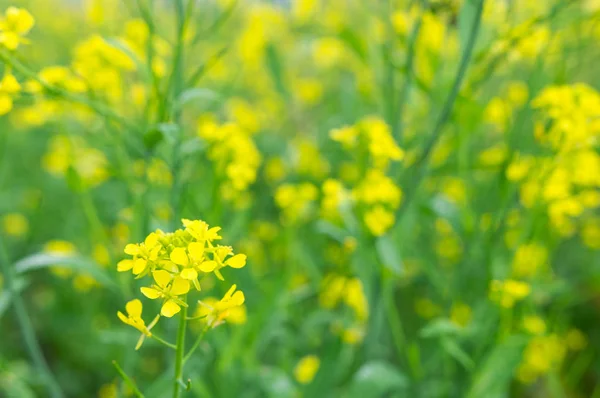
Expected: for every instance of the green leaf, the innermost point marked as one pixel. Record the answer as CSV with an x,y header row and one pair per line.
x,y
78,264
276,383
333,231
196,94
6,295
168,132
439,327
494,376
389,255
456,352
276,69
376,379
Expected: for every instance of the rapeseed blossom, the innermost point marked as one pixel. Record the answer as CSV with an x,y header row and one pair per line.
x,y
176,261
14,25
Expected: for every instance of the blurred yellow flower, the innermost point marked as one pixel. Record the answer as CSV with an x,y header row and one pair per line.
x,y
306,369
14,25
15,224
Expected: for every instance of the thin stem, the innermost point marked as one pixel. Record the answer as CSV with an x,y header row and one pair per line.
x,y
180,350
421,162
27,331
128,380
164,342
409,72
196,344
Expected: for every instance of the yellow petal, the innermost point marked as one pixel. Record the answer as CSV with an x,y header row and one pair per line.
x,y
208,266
196,250
150,292
151,240
124,265
179,257
237,261
123,318
134,308
139,265
180,286
189,274
170,308
161,277
229,292
238,298
132,249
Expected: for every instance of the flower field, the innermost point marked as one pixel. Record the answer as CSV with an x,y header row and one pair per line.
x,y
300,198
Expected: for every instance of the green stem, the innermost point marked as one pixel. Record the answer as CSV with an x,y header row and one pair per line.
x,y
164,342
421,163
128,380
196,344
27,330
180,350
409,72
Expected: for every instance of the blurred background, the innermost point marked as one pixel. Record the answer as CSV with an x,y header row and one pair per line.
x,y
415,185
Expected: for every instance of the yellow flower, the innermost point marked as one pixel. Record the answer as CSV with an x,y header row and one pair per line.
x,y
144,255
379,220
528,259
215,312
168,288
461,314
15,24
9,87
534,325
15,224
307,367
134,318
508,292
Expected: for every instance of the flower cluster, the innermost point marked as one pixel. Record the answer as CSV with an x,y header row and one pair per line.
x,y
338,289
508,292
234,153
72,154
373,133
14,25
379,197
175,262
295,200
567,182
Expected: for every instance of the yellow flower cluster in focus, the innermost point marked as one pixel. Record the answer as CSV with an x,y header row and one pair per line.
x,y
175,262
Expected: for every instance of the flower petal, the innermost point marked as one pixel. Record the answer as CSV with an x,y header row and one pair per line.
x,y
189,274
170,308
123,318
196,250
179,256
161,277
237,261
132,249
208,266
139,265
238,298
134,308
124,265
150,292
179,286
